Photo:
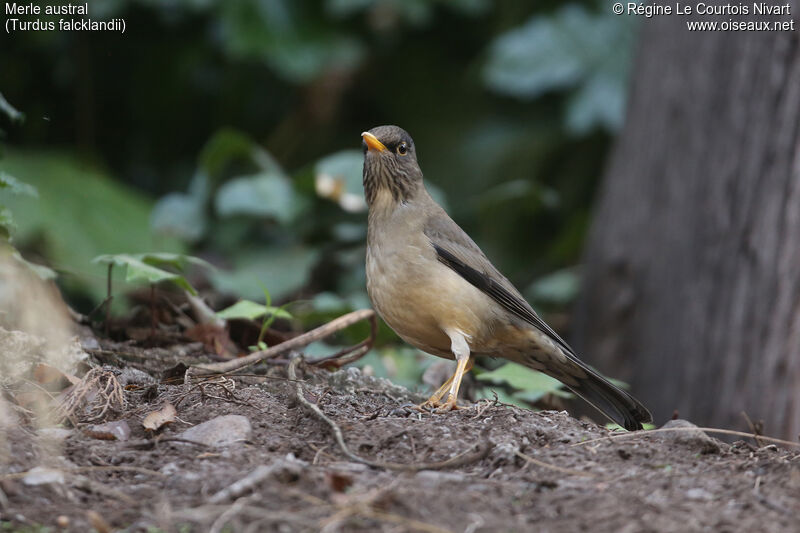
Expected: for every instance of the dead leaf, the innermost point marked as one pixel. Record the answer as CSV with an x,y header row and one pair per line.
x,y
214,338
98,522
52,378
155,420
338,482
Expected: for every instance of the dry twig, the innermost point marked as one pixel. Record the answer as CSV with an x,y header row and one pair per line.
x,y
292,344
634,434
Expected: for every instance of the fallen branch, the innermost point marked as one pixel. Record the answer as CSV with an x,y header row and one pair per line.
x,y
476,453
292,344
356,352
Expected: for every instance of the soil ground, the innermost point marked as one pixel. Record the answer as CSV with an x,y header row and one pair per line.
x,y
514,469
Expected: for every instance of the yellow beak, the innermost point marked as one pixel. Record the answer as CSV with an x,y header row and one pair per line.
x,y
372,142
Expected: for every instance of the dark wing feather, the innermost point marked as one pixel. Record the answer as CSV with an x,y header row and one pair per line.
x,y
456,250
500,294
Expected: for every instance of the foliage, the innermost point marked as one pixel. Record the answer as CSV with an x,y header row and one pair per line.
x,y
249,310
526,385
8,183
10,186
570,49
79,214
558,288
150,267
275,197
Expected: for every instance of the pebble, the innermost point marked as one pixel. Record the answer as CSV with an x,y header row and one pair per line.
x,y
699,494
220,431
41,475
57,435
692,437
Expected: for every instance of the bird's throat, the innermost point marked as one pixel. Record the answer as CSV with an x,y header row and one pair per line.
x,y
380,187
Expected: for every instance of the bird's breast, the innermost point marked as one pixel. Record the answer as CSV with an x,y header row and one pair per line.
x,y
420,298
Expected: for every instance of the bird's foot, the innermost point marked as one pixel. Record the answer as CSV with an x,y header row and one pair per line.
x,y
438,406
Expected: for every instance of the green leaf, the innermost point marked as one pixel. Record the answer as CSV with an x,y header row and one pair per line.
x,y
599,101
80,213
284,270
229,145
265,195
560,287
402,365
413,12
137,270
530,384
571,49
250,310
179,261
278,34
14,186
182,215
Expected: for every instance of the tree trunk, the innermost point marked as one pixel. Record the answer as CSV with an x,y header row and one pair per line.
x,y
692,269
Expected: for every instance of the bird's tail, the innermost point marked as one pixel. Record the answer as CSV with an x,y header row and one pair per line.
x,y
613,402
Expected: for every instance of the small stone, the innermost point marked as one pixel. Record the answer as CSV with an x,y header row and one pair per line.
x,y
699,494
41,475
432,478
169,469
220,431
694,438
134,376
57,435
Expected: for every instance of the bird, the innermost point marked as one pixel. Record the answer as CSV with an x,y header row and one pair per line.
x,y
430,282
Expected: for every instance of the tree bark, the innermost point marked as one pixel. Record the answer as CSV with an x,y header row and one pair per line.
x,y
692,268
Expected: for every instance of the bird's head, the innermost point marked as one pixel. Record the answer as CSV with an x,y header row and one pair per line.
x,y
390,164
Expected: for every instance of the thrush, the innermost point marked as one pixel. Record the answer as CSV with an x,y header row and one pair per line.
x,y
437,290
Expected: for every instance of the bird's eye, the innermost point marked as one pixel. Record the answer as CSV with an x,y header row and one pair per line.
x,y
402,148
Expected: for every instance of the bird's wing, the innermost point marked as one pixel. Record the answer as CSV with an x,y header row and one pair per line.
x,y
456,250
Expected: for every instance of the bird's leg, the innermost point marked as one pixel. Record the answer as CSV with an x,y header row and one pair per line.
x,y
435,399
449,390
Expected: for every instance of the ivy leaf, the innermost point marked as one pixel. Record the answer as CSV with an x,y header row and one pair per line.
x,y
140,267
575,50
265,194
560,287
283,269
14,186
228,145
183,215
530,385
179,261
250,310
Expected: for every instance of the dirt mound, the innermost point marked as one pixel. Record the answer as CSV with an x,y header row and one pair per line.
x,y
488,467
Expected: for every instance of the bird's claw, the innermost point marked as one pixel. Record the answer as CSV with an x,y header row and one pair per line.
x,y
438,406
